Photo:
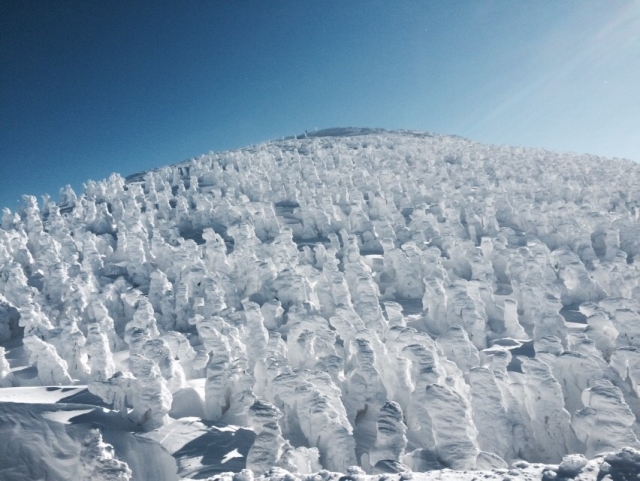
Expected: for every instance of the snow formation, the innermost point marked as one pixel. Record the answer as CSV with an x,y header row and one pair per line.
x,y
366,302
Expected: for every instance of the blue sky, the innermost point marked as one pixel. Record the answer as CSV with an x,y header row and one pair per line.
x,y
89,88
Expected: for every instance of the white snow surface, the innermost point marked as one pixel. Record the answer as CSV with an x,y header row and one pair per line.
x,y
352,303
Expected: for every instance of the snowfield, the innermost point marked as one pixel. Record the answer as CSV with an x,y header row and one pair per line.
x,y
351,304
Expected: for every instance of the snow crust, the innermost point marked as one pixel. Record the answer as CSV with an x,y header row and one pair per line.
x,y
364,302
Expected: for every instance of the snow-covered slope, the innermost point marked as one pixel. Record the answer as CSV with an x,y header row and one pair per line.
x,y
348,301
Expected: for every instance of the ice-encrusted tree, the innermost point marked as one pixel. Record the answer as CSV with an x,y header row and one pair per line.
x,y
390,442
270,449
606,422
52,369
97,461
100,356
6,377
551,422
118,390
151,398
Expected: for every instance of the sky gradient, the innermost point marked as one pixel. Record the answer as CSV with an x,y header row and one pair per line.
x,y
90,88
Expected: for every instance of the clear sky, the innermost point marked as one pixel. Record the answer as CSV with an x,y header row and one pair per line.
x,y
89,87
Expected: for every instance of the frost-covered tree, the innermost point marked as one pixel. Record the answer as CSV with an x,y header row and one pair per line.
x,y
98,462
99,353
52,369
6,378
